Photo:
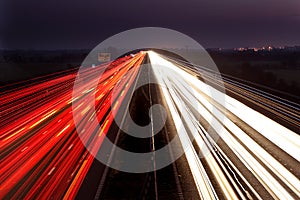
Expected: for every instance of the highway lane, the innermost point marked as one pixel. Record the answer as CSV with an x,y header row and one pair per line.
x,y
149,185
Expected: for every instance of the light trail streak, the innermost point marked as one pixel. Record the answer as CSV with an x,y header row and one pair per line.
x,y
202,181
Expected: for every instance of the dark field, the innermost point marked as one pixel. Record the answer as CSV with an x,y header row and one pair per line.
x,y
276,71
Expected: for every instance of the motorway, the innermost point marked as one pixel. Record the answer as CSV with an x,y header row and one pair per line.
x,y
244,144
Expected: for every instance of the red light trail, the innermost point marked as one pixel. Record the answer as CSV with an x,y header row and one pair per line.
x,y
40,150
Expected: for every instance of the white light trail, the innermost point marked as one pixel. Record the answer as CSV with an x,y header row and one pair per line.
x,y
208,102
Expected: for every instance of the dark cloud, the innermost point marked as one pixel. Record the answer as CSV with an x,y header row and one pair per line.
x,y
52,24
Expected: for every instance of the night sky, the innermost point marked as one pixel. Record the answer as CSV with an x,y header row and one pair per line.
x,y
79,24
